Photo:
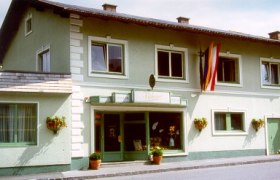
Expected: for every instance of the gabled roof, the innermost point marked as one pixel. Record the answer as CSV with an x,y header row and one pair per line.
x,y
17,8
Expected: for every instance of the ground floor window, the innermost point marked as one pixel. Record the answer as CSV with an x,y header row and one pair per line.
x,y
165,130
18,123
138,132
229,121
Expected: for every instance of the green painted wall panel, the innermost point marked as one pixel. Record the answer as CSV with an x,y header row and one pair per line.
x,y
51,149
141,53
48,29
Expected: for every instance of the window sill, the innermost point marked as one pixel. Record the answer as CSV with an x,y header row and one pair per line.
x,y
109,76
230,133
264,86
169,153
229,84
15,145
172,80
28,33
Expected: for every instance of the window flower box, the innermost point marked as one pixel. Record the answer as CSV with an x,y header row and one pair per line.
x,y
55,123
200,123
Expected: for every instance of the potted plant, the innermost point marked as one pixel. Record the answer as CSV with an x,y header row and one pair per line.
x,y
95,160
200,123
55,123
157,155
257,123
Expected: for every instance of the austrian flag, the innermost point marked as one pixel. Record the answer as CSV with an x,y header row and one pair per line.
x,y
208,67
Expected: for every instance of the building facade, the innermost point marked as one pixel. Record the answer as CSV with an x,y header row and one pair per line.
x,y
126,85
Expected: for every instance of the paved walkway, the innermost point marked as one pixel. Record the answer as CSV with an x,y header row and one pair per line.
x,y
132,168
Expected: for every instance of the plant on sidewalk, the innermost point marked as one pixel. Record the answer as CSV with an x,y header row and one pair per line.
x,y
95,160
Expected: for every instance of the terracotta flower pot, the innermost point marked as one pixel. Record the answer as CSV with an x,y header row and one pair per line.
x,y
157,159
95,164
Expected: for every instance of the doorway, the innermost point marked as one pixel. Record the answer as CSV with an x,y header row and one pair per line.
x,y
121,136
273,127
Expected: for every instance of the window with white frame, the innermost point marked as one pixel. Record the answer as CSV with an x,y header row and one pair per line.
x,y
229,69
28,24
270,72
18,123
44,61
171,63
107,57
224,121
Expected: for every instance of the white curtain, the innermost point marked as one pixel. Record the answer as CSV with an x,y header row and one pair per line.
x,y
21,125
6,123
220,121
26,123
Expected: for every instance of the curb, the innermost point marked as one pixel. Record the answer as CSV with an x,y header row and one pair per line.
x,y
186,167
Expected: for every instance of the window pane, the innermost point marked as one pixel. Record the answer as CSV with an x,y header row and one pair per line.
x,y
236,121
115,58
220,121
227,70
265,73
7,124
163,63
18,123
165,130
135,137
28,25
176,65
26,118
274,74
98,57
44,61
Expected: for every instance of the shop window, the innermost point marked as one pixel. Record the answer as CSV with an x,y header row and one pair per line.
x,y
229,121
107,57
229,69
270,73
18,124
135,132
165,130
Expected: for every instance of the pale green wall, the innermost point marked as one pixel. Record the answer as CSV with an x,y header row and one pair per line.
x,y
141,57
141,53
47,29
51,149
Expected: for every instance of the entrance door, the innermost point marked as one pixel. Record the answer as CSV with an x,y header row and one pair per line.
x,y
112,138
273,135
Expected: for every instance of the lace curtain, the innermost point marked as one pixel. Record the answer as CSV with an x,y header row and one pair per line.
x,y
17,123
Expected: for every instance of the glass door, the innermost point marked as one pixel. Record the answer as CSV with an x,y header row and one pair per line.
x,y
112,138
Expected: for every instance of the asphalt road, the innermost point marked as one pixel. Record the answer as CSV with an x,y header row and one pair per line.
x,y
260,171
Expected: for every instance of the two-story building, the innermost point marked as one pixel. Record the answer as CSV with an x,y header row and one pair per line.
x,y
127,84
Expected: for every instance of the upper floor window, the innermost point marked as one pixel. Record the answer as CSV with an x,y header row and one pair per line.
x,y
43,60
28,24
228,122
107,57
270,72
18,123
171,63
229,69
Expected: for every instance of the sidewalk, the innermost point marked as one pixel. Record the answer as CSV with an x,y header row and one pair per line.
x,y
132,168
